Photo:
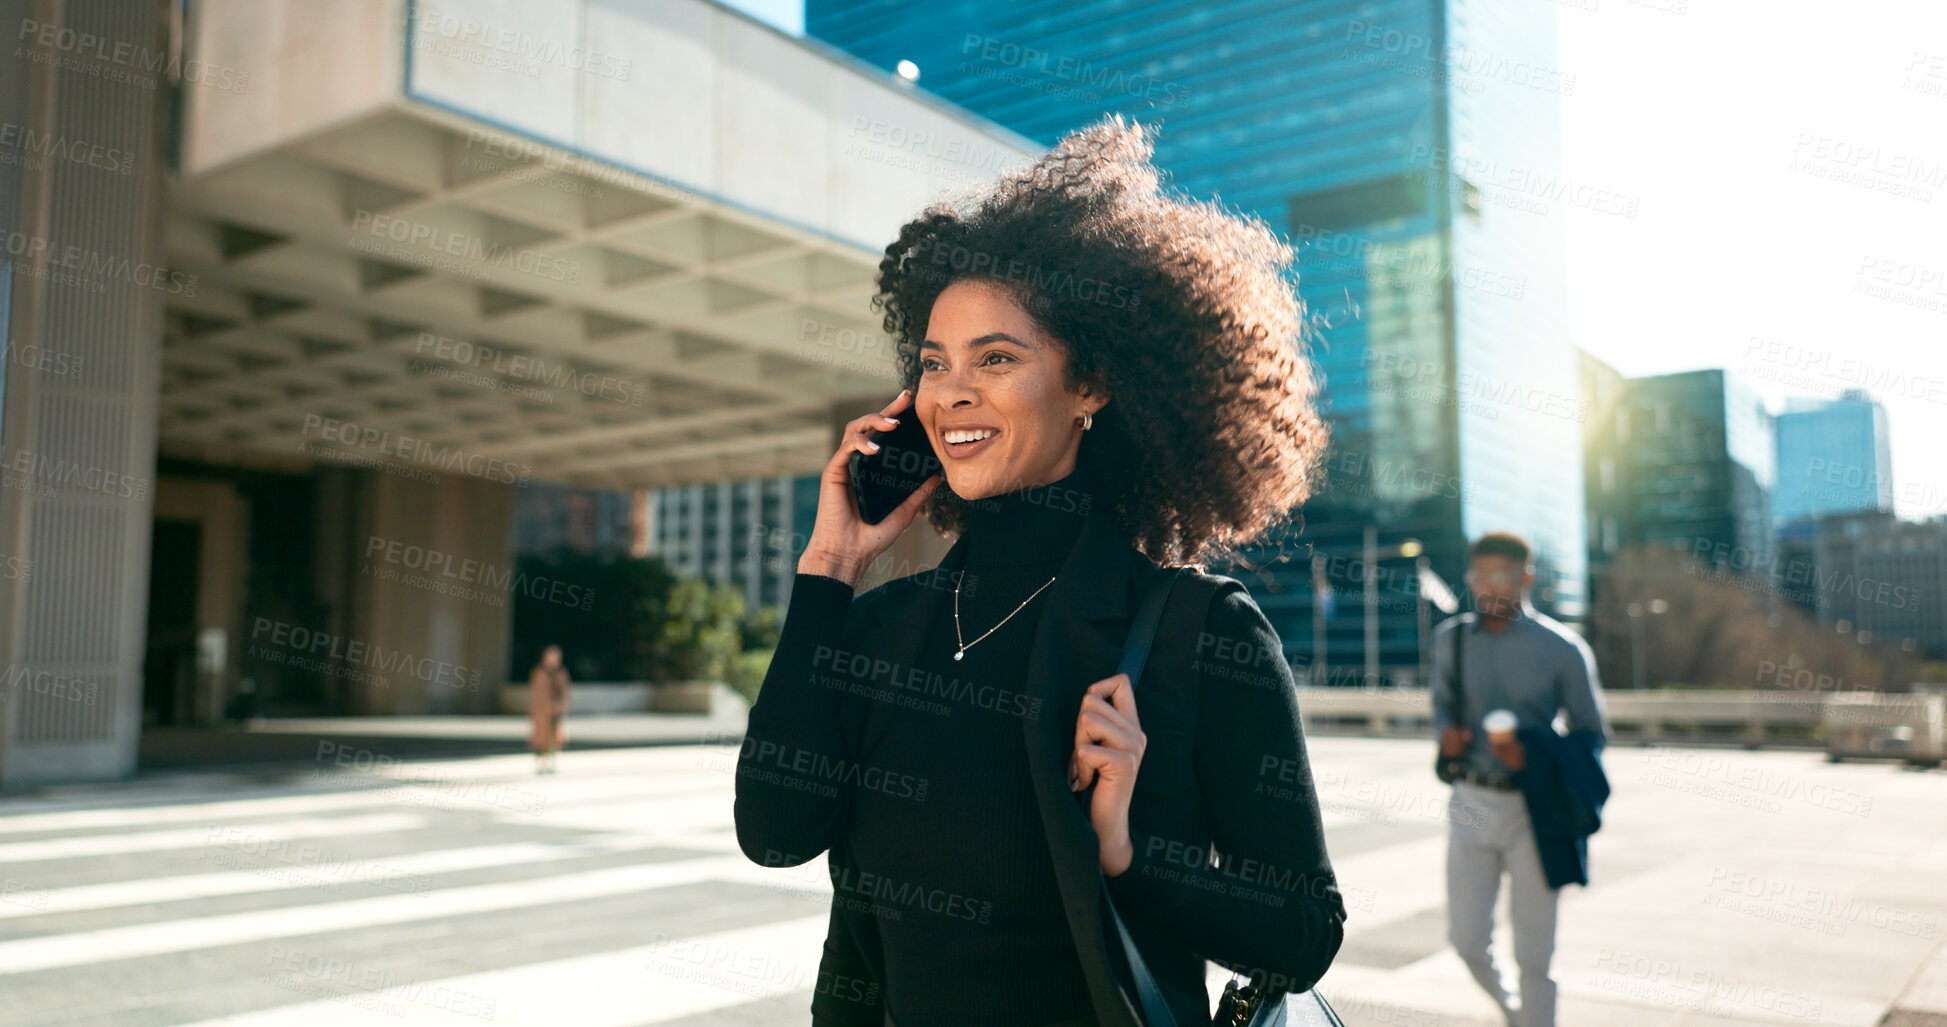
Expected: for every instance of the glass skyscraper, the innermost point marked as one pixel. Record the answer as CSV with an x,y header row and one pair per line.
x,y
1833,457
1690,454
1410,149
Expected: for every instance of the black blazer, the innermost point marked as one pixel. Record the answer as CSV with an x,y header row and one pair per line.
x,y
1224,763
1565,787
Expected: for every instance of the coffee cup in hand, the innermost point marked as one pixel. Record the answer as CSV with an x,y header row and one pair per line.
x,y
1500,725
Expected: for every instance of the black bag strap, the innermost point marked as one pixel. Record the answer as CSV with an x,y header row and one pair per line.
x,y
1309,1009
1449,768
1142,630
1135,653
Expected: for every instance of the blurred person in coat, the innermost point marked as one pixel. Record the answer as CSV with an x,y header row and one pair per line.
x,y
548,690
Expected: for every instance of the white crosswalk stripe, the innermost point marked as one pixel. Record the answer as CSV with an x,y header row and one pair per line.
x,y
359,790
647,984
187,838
408,873
31,954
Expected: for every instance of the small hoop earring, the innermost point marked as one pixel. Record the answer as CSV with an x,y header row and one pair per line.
x,y
1088,421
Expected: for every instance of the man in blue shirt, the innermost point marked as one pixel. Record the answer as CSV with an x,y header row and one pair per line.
x,y
1510,658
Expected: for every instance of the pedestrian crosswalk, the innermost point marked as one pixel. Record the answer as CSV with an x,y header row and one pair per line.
x,y
583,990
299,893
472,892
182,838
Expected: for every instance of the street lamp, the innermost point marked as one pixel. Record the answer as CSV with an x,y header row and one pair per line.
x,y
1370,556
1322,608
1636,613
1432,593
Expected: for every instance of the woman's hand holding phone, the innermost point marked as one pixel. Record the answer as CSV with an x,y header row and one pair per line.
x,y
842,544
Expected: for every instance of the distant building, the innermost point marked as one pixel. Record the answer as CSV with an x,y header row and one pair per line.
x,y
1871,576
550,517
1605,394
1795,554
1681,461
747,533
1834,456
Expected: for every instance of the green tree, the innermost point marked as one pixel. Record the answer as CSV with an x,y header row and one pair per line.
x,y
701,630
761,627
606,614
635,619
632,611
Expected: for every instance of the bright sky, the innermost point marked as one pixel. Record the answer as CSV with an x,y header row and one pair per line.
x,y
1764,140
785,14
1748,133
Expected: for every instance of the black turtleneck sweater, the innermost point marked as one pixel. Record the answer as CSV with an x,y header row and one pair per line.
x,y
979,832
978,835
928,790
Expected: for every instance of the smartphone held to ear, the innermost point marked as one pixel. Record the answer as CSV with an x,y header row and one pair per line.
x,y
885,479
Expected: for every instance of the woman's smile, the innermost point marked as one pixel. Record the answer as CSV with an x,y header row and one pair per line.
x,y
963,442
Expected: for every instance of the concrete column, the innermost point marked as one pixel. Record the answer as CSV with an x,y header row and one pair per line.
x,y
643,523
81,293
431,590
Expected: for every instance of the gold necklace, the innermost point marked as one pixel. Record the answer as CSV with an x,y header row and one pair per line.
x,y
961,638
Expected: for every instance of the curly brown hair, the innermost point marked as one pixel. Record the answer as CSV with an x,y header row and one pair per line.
x,y
1179,308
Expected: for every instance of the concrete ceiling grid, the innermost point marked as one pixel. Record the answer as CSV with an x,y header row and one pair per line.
x,y
641,337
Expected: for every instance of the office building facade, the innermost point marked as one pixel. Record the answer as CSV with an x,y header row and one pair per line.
x,y
1834,456
344,279
1605,395
1870,576
1691,456
747,534
1409,150
601,522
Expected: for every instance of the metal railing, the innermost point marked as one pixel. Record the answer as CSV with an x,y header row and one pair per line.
x,y
1907,725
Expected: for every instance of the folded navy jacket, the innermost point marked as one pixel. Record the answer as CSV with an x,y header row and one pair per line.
x,y
1565,788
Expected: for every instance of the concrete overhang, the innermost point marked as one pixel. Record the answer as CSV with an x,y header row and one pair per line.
x,y
595,242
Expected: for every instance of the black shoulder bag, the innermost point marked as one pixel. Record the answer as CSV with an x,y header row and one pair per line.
x,y
1243,1004
1448,768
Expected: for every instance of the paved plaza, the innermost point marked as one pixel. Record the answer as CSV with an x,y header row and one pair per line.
x,y
1730,887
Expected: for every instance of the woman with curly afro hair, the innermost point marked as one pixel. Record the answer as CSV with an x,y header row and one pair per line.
x,y
1112,379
